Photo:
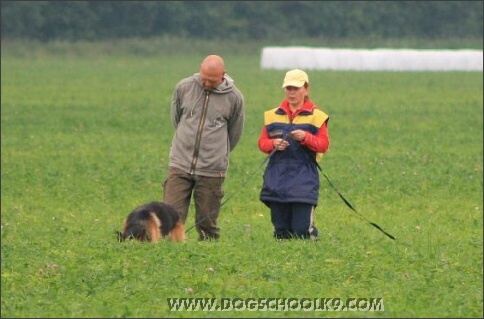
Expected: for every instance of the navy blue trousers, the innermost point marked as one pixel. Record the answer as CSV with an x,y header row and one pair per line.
x,y
293,220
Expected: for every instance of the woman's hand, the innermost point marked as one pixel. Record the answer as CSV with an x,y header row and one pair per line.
x,y
298,135
280,144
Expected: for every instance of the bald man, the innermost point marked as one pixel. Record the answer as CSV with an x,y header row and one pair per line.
x,y
208,113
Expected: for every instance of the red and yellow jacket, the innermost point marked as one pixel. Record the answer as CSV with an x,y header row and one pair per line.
x,y
291,175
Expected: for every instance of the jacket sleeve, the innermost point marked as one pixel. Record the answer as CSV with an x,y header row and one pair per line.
x,y
236,123
266,144
320,142
175,108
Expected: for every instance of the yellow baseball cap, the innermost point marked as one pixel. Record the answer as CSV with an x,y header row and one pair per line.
x,y
295,78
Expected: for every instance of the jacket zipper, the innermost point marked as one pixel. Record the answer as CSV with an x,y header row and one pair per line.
x,y
199,134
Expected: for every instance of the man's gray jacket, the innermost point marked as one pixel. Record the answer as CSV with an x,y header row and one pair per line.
x,y
208,125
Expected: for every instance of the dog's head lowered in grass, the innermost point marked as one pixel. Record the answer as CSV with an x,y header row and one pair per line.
x,y
152,221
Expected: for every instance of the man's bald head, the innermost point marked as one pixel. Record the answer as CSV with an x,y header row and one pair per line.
x,y
212,71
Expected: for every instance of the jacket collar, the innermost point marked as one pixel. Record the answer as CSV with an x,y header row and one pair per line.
x,y
307,108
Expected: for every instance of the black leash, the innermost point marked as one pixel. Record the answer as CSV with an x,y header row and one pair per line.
x,y
353,209
307,154
351,206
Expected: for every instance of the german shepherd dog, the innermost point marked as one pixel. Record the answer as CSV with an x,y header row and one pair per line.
x,y
152,221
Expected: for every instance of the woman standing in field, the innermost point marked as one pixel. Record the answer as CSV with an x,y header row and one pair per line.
x,y
295,135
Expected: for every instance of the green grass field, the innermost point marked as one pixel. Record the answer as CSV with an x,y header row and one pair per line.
x,y
85,139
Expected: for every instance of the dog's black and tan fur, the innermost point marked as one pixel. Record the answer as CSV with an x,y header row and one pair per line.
x,y
152,221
